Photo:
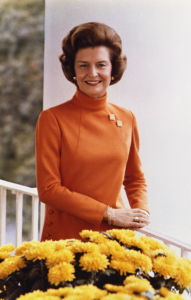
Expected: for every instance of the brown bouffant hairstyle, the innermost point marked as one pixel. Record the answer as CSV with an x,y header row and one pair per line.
x,y
92,34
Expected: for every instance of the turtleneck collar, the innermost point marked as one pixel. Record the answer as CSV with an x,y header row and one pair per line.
x,y
87,102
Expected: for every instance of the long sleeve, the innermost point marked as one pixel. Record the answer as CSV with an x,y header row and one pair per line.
x,y
134,180
50,188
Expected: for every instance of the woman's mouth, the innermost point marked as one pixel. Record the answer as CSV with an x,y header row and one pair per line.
x,y
92,82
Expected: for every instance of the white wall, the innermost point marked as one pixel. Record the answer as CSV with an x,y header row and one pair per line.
x,y
156,86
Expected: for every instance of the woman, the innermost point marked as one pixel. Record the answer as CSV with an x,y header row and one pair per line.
x,y
86,148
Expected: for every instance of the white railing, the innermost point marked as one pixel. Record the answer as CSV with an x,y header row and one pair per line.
x,y
20,190
168,240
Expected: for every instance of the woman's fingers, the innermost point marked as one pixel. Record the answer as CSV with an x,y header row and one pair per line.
x,y
140,211
138,219
142,222
131,218
140,215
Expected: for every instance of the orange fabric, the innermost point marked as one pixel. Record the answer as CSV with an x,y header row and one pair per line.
x,y
82,160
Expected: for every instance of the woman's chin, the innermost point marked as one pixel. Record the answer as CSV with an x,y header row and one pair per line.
x,y
93,92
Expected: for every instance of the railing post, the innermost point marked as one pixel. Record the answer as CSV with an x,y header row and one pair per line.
x,y
42,213
3,200
19,217
35,208
184,253
167,244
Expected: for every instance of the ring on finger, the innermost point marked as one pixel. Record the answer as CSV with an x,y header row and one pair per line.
x,y
136,219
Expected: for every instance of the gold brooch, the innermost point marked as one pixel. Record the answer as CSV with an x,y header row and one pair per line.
x,y
119,123
112,117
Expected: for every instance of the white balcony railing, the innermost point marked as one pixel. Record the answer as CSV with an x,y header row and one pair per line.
x,y
20,190
37,213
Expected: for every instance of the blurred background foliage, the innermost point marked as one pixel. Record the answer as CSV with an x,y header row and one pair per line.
x,y
21,91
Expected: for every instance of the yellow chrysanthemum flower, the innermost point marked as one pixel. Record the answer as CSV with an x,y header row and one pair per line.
x,y
128,239
140,260
7,248
136,258
169,295
141,286
31,296
88,292
119,255
79,293
183,275
38,295
152,244
61,272
119,296
59,254
131,279
60,245
57,257
165,266
69,242
163,252
110,248
120,234
79,246
10,265
75,297
123,267
24,246
40,250
93,236
114,288
137,242
4,255
48,297
61,292
164,291
104,249
35,297
135,284
93,261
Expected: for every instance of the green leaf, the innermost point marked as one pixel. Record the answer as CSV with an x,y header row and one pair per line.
x,y
107,234
108,272
160,254
80,282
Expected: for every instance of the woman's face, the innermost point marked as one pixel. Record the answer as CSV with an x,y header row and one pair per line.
x,y
93,70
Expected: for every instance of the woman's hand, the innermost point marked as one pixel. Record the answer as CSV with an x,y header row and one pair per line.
x,y
126,218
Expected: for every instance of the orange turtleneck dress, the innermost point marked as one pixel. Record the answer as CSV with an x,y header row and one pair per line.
x,y
83,158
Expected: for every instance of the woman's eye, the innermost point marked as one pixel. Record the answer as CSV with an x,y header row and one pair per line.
x,y
83,66
101,65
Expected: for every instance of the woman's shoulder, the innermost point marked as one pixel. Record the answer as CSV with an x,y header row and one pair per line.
x,y
121,110
61,107
59,110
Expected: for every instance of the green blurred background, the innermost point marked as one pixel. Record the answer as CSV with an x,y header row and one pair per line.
x,y
21,94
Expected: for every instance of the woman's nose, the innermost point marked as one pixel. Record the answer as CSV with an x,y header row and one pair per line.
x,y
93,71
